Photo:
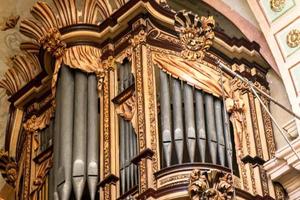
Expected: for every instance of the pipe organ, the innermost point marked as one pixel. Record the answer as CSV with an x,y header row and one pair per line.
x,y
193,117
125,100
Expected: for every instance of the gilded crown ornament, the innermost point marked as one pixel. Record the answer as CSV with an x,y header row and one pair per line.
x,y
293,38
277,5
196,34
210,185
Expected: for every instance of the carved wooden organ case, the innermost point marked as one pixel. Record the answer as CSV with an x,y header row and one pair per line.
x,y
124,100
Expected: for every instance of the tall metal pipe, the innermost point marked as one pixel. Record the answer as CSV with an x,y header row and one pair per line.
x,y
200,124
56,149
220,133
165,110
80,131
177,119
228,141
211,130
93,141
122,154
190,121
66,136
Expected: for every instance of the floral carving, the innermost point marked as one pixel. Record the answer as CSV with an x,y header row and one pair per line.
x,y
277,5
8,168
293,38
41,176
210,185
139,38
107,65
52,42
196,34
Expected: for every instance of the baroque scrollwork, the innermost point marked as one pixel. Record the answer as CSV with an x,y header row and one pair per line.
x,y
138,39
52,42
41,176
196,34
8,168
293,38
36,123
210,185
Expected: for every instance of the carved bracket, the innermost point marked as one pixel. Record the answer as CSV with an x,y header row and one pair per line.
x,y
210,185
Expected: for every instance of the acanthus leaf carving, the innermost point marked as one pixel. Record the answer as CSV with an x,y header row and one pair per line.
x,y
52,42
41,176
210,185
138,38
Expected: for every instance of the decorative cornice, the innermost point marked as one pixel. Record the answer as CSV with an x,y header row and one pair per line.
x,y
8,168
212,184
196,34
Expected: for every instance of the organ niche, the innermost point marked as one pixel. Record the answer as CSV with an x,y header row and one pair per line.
x,y
126,100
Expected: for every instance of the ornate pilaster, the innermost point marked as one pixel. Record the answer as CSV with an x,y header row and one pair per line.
x,y
138,43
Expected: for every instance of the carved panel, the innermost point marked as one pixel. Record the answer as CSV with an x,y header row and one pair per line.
x,y
213,184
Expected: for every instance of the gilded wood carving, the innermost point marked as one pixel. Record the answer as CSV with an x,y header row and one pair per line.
x,y
196,34
41,176
210,185
8,168
23,68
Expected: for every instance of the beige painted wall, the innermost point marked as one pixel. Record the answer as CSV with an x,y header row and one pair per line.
x,y
279,93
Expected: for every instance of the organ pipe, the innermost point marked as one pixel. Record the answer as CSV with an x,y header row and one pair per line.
x,y
200,124
92,136
66,136
211,130
165,117
178,119
79,137
190,121
220,133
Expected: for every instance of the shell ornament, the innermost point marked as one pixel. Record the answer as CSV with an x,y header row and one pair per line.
x,y
196,34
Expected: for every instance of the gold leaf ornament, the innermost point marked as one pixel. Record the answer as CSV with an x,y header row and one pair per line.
x,y
195,33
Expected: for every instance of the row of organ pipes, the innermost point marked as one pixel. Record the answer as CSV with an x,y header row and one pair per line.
x,y
189,117
128,137
190,120
76,138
